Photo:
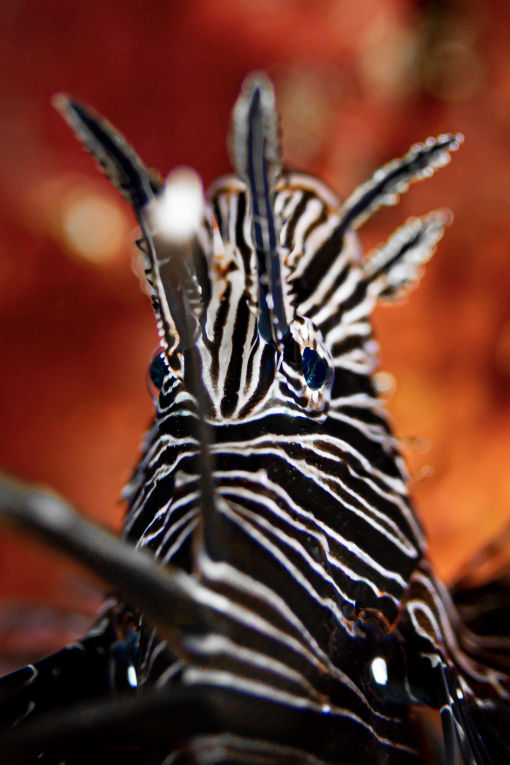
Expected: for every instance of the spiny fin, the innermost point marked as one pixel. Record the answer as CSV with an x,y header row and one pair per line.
x,y
397,264
394,178
77,672
474,731
482,596
161,592
490,563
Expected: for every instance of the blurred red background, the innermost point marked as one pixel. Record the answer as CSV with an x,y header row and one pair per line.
x,y
357,84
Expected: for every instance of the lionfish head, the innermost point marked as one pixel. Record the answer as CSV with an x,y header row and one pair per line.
x,y
260,292
226,302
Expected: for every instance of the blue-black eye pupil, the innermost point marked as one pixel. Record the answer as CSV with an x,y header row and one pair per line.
x,y
158,370
315,368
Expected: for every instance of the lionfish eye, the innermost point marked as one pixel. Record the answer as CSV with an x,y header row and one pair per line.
x,y
158,370
315,368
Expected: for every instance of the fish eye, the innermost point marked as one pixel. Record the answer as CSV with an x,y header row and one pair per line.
x,y
158,370
315,368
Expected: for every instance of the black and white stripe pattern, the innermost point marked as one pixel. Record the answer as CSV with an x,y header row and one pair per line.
x,y
271,486
318,531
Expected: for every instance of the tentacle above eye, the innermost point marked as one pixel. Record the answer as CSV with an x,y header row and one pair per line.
x,y
256,156
394,178
167,246
398,263
118,159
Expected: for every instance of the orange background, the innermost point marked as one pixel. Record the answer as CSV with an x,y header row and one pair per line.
x,y
357,84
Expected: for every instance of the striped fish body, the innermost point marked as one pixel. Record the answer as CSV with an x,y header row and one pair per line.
x,y
305,624
315,540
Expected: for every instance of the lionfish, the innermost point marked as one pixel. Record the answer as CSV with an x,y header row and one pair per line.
x,y
272,601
